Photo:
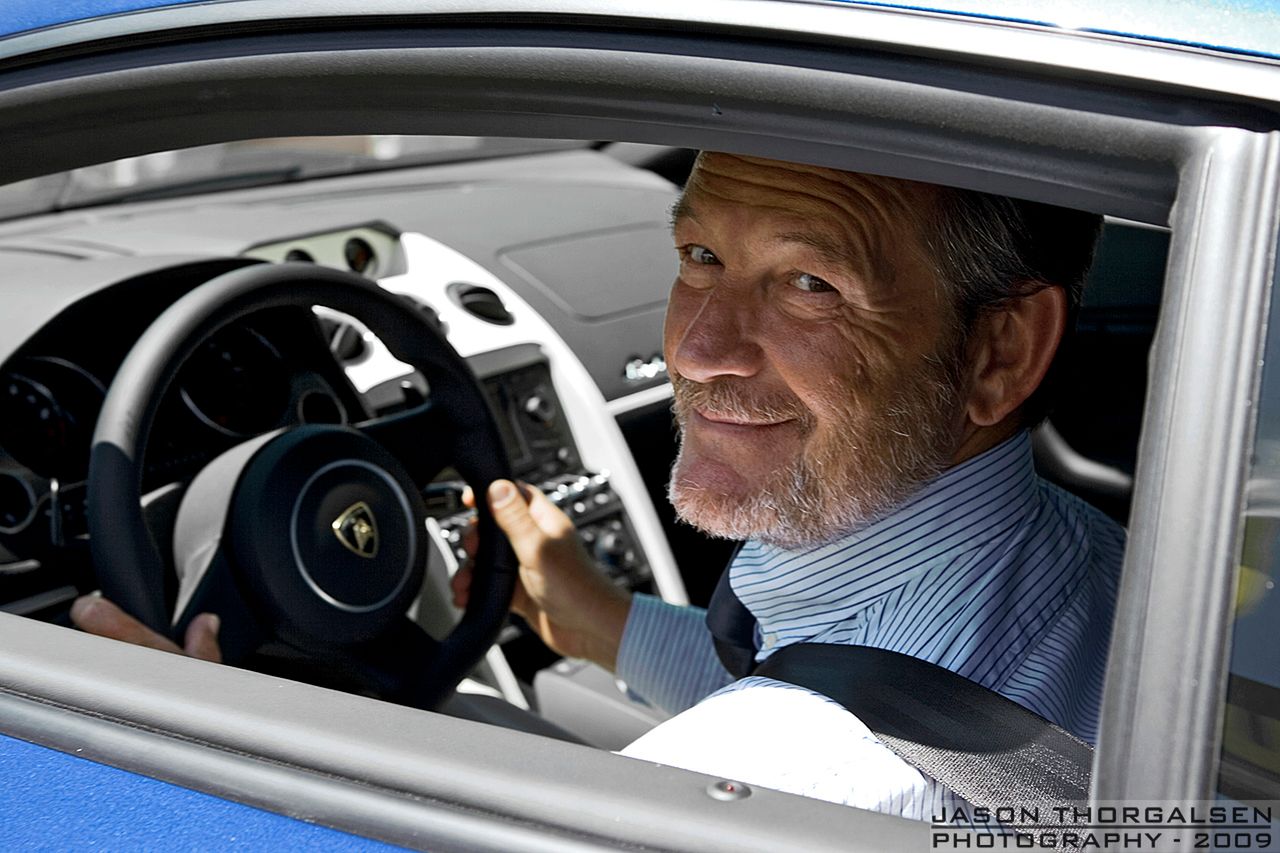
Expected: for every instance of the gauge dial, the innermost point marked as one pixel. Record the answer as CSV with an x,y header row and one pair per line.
x,y
17,502
236,382
51,407
360,256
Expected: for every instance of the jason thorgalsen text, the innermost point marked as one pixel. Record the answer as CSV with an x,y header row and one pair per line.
x,y
1163,816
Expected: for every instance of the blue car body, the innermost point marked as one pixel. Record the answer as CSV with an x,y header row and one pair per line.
x,y
55,801
24,15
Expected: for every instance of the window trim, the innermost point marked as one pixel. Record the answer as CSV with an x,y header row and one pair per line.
x,y
1023,133
1197,431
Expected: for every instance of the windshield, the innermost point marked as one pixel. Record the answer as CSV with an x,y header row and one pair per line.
x,y
233,165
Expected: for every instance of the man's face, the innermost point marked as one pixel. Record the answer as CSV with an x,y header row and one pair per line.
x,y
812,351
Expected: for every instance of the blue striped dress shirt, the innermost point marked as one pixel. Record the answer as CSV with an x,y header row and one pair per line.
x,y
988,571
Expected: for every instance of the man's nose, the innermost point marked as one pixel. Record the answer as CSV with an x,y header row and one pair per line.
x,y
719,337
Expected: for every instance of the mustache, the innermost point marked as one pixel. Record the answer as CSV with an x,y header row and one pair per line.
x,y
730,397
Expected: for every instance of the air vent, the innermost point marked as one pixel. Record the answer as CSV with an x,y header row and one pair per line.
x,y
480,302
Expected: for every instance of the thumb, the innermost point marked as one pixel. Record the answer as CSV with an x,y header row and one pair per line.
x,y
512,515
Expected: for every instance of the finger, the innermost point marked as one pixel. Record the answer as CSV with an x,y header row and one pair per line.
x,y
468,497
460,583
548,516
471,538
201,640
96,615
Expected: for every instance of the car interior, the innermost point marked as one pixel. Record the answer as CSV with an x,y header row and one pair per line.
x,y
458,171
557,303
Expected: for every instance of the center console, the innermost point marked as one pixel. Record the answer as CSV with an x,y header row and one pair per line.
x,y
517,382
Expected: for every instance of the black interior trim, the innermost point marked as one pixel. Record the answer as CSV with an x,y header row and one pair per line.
x,y
1157,99
779,100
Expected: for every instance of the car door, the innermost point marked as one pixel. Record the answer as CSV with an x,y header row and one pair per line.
x,y
1174,137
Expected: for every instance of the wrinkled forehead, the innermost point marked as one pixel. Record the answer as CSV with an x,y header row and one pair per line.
x,y
879,218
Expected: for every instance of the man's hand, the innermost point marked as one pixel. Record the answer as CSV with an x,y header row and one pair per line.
x,y
96,615
574,608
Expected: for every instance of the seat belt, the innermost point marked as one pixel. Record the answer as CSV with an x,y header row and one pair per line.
x,y
986,748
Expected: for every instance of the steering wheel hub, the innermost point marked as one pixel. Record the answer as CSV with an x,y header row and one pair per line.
x,y
327,528
349,568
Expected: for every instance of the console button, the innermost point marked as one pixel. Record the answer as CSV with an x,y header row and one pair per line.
x,y
540,409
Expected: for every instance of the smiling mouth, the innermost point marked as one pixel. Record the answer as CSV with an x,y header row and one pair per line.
x,y
737,420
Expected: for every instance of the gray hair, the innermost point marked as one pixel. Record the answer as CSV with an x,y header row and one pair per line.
x,y
992,249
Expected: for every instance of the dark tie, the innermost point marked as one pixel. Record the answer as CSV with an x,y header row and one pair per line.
x,y
732,627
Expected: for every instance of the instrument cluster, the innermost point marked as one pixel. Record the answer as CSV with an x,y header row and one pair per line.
x,y
51,406
236,385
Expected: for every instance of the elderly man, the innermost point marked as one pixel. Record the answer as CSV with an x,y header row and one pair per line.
x,y
856,363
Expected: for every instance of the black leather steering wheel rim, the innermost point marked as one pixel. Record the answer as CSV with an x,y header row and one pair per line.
x,y
128,564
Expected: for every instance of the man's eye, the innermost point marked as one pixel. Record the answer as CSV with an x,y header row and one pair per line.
x,y
811,284
701,255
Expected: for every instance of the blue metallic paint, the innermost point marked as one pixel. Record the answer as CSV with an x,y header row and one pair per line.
x,y
54,801
21,15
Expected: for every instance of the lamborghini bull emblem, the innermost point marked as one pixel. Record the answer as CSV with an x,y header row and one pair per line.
x,y
357,530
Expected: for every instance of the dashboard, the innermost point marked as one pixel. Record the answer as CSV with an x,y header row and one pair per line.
x,y
530,265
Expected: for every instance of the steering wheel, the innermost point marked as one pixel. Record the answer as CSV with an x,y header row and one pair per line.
x,y
312,537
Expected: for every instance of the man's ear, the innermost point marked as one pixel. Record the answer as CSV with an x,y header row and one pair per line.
x,y
1011,353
